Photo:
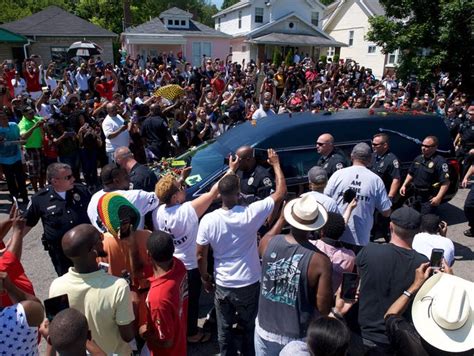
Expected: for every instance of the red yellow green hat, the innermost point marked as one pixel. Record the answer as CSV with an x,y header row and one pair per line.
x,y
112,208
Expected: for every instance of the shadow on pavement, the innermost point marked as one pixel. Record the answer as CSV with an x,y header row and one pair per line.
x,y
462,253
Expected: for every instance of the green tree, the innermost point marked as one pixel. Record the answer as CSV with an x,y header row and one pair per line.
x,y
327,2
228,3
289,58
432,36
277,56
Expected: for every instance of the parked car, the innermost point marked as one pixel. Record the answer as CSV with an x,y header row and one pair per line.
x,y
294,138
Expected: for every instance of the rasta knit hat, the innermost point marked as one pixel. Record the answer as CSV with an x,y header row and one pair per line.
x,y
114,208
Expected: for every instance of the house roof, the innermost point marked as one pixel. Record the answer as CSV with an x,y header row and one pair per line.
x,y
283,18
54,21
299,40
175,11
10,37
370,7
156,26
240,5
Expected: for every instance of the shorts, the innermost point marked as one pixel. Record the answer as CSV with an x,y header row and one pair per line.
x,y
34,162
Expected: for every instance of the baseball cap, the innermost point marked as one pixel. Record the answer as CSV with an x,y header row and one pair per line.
x,y
406,218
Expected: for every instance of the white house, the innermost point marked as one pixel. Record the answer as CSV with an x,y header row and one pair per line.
x,y
259,26
347,21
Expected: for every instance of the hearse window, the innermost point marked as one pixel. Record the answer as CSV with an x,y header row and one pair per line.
x,y
296,162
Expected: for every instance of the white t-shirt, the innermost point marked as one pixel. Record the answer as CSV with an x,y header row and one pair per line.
x,y
82,81
423,243
328,202
143,201
181,221
110,125
371,195
21,88
260,113
232,235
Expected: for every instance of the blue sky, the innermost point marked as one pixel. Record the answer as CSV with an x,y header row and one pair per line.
x,y
217,2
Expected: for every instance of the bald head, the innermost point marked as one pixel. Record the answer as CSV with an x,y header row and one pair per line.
x,y
247,158
325,144
78,241
122,155
155,109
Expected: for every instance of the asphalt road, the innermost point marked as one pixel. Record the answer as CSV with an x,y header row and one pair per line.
x,y
39,269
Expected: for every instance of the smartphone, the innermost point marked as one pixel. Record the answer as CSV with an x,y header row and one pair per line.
x,y
436,258
350,283
53,306
15,201
349,195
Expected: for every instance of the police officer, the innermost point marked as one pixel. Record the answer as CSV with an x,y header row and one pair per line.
x,y
141,177
465,139
452,122
385,164
61,205
331,159
256,181
428,172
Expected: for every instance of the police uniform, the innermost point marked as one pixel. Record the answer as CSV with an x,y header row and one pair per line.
x,y
466,131
58,216
428,175
469,212
256,184
387,168
333,162
453,125
142,177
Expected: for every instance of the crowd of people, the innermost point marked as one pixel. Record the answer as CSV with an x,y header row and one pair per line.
x,y
133,253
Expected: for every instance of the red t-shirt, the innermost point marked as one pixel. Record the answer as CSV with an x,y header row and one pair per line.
x,y
10,264
218,85
167,310
105,90
32,81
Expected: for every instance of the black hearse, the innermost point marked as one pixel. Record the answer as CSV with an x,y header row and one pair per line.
x,y
294,136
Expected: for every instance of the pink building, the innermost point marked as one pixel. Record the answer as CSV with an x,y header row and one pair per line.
x,y
174,30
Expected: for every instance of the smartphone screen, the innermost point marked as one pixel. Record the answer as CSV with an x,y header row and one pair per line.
x,y
15,201
349,195
54,305
436,257
350,283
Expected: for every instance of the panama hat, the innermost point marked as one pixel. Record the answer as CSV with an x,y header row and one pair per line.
x,y
443,313
305,213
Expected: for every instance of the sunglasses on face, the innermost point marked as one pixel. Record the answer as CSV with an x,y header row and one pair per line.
x,y
428,146
377,144
320,143
68,177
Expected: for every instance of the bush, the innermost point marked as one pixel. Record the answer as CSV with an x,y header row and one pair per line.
x,y
335,58
289,58
323,59
276,56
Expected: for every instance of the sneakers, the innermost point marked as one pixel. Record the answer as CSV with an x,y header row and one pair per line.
x,y
468,233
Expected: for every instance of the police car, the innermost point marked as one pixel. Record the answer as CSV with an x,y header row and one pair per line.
x,y
294,138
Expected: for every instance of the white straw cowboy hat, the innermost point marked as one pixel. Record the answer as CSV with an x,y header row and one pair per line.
x,y
305,213
443,313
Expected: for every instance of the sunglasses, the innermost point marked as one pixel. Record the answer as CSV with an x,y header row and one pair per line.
x,y
320,143
428,146
377,144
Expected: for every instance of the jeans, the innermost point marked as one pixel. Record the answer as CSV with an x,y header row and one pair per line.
x,y
89,166
16,178
194,291
266,348
244,302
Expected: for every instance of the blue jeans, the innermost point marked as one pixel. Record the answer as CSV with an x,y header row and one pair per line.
x,y
266,348
244,302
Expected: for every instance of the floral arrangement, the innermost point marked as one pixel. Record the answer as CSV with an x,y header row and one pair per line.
x,y
168,166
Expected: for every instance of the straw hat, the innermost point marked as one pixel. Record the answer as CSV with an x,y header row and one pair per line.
x,y
305,213
443,313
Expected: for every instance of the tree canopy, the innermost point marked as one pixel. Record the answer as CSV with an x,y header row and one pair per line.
x,y
109,13
432,36
228,3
